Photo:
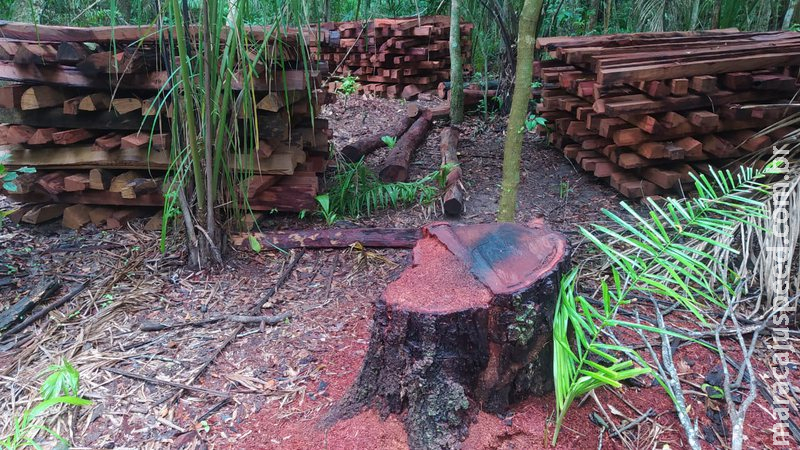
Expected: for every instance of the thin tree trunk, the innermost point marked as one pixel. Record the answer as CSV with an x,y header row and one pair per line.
x,y
456,71
528,21
212,237
715,13
787,18
695,21
594,11
607,16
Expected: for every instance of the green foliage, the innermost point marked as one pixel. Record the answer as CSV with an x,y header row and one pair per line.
x,y
59,389
255,245
656,255
63,379
390,141
349,86
326,209
356,190
8,176
564,190
533,121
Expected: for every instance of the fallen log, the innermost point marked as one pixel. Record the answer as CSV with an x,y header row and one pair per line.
x,y
334,238
467,327
365,146
396,168
39,293
46,310
453,197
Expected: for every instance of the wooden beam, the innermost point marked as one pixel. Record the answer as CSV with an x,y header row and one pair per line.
x,y
292,80
679,68
72,136
37,97
334,238
55,117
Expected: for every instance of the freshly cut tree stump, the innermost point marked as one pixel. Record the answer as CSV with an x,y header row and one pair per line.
x,y
466,328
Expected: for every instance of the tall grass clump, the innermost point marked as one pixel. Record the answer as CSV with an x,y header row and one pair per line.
x,y
213,90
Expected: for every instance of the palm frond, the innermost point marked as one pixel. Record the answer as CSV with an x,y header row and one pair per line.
x,y
666,253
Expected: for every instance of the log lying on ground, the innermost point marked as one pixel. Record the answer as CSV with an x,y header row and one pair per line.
x,y
38,294
369,144
334,238
454,192
396,168
466,327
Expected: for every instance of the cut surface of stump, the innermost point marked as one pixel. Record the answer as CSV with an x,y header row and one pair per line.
x,y
466,328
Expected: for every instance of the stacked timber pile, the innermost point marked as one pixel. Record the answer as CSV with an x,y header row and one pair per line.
x,y
645,110
394,57
80,106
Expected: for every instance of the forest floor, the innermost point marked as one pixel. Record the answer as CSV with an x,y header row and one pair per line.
x,y
265,387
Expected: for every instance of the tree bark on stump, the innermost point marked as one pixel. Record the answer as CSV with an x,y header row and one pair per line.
x,y
466,328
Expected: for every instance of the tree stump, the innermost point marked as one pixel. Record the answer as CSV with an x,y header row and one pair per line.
x,y
467,327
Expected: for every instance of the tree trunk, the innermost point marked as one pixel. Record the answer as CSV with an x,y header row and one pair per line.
x,y
607,16
594,11
456,71
453,197
467,327
715,11
787,18
365,146
396,168
695,20
333,238
528,21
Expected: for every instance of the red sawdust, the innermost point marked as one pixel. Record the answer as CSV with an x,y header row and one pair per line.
x,y
437,282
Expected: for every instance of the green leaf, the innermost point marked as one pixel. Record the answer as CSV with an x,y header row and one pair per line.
x,y
64,400
255,245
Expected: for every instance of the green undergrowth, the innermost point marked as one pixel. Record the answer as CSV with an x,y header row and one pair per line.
x,y
355,191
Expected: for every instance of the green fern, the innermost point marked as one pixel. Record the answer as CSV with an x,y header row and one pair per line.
x,y
655,255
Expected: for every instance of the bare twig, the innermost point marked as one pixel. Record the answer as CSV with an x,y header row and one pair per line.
x,y
174,384
737,415
646,415
667,371
282,279
217,406
238,318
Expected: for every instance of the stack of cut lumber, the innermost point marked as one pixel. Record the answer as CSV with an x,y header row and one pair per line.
x,y
393,57
79,105
644,111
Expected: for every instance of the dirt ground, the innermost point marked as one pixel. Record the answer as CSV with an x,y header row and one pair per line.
x,y
265,387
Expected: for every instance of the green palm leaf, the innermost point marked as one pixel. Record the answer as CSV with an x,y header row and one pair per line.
x,y
668,253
